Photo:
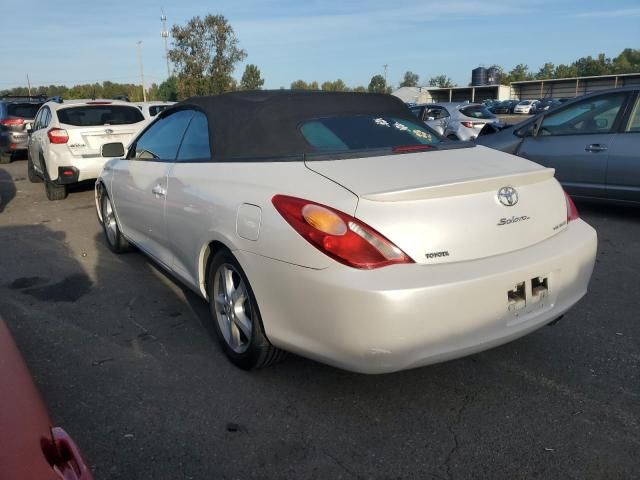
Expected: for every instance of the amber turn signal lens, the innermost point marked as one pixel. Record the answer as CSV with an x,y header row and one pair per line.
x,y
324,220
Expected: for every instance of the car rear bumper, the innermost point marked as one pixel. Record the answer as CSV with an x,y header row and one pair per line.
x,y
13,141
407,316
87,168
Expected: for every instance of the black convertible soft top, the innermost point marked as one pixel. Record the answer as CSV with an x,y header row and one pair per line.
x,y
265,123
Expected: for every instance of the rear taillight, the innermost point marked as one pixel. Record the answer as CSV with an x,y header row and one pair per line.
x,y
64,456
12,122
572,211
58,135
338,235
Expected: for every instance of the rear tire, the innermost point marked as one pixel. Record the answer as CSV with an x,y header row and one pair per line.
x,y
236,316
115,240
31,172
54,191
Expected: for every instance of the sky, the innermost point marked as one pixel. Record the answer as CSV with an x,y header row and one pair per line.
x,y
83,41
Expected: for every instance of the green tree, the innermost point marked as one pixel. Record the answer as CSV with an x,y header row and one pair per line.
x,y
441,81
628,61
359,89
519,73
337,86
565,71
589,66
204,53
251,78
377,84
546,71
410,79
168,90
299,85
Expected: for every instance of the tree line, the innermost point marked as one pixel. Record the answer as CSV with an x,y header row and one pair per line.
x,y
628,61
205,52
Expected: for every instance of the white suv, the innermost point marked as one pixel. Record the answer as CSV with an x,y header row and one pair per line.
x,y
66,138
151,109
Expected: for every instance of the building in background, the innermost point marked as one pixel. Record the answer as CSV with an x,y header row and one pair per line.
x,y
524,90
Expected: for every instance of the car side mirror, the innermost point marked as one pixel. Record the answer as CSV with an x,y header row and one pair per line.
x,y
112,150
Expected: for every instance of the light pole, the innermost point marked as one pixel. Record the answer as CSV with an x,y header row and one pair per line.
x,y
385,73
165,34
144,92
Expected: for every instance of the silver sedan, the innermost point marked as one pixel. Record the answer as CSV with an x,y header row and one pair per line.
x,y
454,120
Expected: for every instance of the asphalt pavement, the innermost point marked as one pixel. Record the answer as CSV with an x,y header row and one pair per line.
x,y
126,361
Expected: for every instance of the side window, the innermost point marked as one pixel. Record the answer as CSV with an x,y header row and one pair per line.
x,y
38,120
162,138
195,145
46,118
590,116
417,111
634,120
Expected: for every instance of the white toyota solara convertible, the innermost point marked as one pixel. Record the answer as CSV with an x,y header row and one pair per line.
x,y
338,227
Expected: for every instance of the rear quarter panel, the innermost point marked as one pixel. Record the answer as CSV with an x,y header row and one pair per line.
x,y
203,201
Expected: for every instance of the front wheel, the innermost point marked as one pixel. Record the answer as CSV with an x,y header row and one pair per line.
x,y
236,316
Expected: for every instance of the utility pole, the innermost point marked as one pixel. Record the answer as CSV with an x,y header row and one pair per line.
x,y
385,73
144,91
165,34
29,84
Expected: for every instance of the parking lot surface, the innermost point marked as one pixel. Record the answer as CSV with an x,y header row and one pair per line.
x,y
126,360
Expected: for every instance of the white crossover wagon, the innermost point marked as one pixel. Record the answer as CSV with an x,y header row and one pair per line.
x,y
66,138
339,227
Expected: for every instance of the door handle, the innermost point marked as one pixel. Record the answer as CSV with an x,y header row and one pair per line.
x,y
596,147
158,191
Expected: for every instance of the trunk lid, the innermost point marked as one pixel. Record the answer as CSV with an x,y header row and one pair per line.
x,y
86,141
443,206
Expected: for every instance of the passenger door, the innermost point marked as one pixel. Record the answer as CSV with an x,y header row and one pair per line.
x,y
623,174
139,186
33,148
575,140
39,140
188,209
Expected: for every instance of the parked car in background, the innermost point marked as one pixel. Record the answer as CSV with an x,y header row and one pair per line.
x,y
65,140
592,142
524,106
544,105
361,213
30,448
151,109
455,121
16,113
506,107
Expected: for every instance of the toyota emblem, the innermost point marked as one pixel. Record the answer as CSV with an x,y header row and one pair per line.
x,y
508,196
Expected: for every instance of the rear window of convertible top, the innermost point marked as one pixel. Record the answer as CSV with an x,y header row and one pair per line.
x,y
96,115
344,133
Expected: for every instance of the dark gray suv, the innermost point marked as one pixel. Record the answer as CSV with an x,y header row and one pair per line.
x,y
593,142
15,114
